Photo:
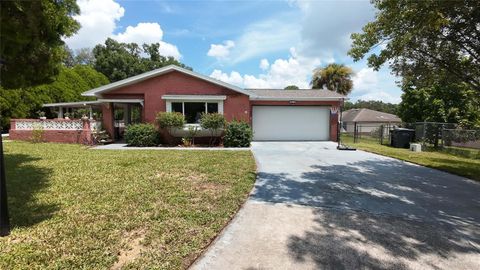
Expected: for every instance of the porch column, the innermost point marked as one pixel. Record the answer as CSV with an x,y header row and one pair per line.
x,y
90,113
60,112
128,114
107,119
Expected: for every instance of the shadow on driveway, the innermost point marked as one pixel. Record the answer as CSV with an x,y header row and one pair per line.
x,y
379,208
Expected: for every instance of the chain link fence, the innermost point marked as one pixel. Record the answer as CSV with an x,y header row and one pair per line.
x,y
449,137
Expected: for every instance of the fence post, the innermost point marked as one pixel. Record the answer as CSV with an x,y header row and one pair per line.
x,y
354,132
381,134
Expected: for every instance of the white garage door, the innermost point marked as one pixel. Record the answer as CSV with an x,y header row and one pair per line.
x,y
290,123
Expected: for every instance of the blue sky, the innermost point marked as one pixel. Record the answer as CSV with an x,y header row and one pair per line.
x,y
253,44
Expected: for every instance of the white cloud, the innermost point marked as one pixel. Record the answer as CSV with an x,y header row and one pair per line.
x,y
148,33
98,20
221,51
295,70
264,64
319,30
367,86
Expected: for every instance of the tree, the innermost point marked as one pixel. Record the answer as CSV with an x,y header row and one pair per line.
x,y
334,77
442,100
119,61
68,86
291,87
31,46
421,38
372,105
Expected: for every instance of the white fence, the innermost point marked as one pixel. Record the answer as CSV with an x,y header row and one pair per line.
x,y
52,124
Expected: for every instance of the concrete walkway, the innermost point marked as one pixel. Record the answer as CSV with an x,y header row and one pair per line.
x,y
123,146
314,207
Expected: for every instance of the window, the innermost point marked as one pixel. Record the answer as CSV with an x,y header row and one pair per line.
x,y
194,109
177,107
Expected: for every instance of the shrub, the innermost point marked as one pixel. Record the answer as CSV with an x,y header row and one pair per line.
x,y
170,120
212,122
37,134
237,134
141,135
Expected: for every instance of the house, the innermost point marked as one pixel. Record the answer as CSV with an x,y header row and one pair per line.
x,y
273,114
366,120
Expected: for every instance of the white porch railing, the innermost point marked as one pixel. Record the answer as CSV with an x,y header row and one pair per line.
x,y
54,124
31,124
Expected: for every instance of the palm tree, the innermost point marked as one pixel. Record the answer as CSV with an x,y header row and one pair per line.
x,y
334,77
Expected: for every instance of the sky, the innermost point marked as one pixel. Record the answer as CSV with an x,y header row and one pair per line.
x,y
251,44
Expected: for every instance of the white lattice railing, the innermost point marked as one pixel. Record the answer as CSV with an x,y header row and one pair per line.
x,y
49,124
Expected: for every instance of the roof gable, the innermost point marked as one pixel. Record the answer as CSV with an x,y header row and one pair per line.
x,y
158,72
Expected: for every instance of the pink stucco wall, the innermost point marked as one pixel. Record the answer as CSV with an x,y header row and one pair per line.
x,y
236,106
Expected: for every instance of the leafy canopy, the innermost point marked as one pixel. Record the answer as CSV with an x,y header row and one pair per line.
x,y
68,86
334,77
441,99
31,46
421,38
291,87
119,61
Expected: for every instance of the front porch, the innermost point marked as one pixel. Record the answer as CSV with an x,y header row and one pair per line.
x,y
112,115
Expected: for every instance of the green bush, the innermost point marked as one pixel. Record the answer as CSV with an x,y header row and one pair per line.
x,y
170,120
212,122
141,135
238,134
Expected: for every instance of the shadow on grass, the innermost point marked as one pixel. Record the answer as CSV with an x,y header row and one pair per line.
x,y
374,212
24,182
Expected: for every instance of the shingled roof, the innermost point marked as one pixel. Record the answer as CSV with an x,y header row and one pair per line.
x,y
367,115
300,94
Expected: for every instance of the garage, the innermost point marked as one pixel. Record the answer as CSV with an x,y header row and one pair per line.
x,y
291,123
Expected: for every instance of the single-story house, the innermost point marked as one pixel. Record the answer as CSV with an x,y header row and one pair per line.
x,y
274,114
366,120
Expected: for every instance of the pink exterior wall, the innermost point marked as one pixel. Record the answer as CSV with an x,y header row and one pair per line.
x,y
83,136
333,117
175,83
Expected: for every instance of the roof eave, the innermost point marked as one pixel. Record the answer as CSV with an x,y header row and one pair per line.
x,y
297,98
147,75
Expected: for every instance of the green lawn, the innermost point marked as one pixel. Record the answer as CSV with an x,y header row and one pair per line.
x,y
74,208
452,162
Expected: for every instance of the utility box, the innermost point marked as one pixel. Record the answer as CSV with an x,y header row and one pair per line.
x,y
402,137
415,147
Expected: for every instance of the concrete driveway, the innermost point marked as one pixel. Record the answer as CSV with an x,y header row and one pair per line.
x,y
314,207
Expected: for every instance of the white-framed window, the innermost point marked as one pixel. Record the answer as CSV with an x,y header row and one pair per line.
x,y
192,108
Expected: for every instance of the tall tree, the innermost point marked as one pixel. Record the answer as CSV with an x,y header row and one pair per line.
x,y
68,86
421,38
119,61
31,46
334,77
441,99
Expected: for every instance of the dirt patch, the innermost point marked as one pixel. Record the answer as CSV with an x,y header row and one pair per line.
x,y
132,248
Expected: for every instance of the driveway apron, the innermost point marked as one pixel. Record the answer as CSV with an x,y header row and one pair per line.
x,y
314,207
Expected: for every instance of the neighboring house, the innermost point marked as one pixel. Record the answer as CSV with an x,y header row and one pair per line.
x,y
274,114
366,120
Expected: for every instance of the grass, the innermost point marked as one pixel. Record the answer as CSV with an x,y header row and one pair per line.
x,y
444,160
73,208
